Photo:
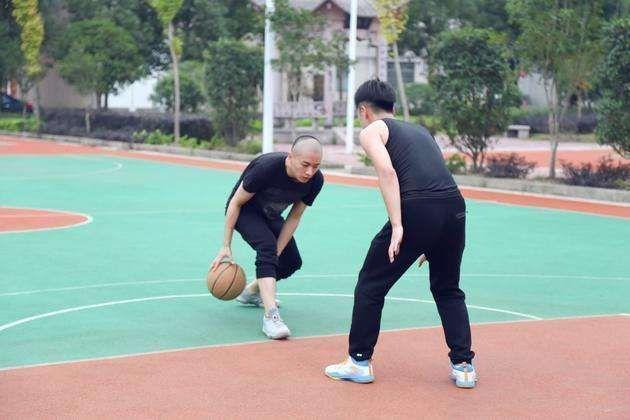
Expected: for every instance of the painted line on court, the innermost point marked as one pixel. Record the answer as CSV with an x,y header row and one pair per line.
x,y
88,220
311,337
206,295
398,299
301,276
116,167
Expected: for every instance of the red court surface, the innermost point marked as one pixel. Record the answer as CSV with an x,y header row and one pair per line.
x,y
566,368
22,220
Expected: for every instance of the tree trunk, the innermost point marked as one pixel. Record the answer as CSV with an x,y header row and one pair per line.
x,y
176,93
401,84
106,97
551,93
98,101
552,158
88,126
37,110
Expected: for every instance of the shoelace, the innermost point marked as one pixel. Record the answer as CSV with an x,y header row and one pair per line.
x,y
276,320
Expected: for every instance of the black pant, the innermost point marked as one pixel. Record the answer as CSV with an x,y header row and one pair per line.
x,y
262,234
435,227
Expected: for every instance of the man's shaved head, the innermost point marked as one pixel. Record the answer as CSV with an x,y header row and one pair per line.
x,y
306,144
304,158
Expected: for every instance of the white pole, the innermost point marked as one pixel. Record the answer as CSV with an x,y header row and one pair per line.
x,y
267,142
352,54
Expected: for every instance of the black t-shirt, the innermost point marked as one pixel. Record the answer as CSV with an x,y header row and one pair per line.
x,y
418,162
266,177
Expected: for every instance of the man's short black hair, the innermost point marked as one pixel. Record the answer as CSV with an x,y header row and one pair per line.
x,y
298,139
377,93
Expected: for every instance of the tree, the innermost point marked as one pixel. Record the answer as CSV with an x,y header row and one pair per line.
x,y
26,14
301,46
474,88
166,10
98,57
192,88
233,74
557,39
139,20
392,15
428,18
12,59
203,21
613,126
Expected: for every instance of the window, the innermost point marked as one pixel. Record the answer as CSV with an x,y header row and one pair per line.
x,y
318,87
362,22
407,70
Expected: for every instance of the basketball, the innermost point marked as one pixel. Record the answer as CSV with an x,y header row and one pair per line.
x,y
227,281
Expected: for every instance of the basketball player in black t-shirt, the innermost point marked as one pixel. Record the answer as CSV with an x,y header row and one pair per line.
x,y
427,215
269,185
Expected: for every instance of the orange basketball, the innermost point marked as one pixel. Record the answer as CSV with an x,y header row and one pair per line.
x,y
227,281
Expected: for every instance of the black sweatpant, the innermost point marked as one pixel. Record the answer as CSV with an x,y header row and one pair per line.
x,y
435,227
262,234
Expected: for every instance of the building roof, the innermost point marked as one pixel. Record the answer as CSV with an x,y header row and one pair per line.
x,y
365,8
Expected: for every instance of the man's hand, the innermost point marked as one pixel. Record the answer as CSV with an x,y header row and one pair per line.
x,y
224,255
394,244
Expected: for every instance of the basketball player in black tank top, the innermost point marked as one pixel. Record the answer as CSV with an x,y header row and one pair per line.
x,y
427,215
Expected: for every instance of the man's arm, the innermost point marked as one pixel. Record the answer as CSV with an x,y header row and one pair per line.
x,y
231,216
290,225
372,140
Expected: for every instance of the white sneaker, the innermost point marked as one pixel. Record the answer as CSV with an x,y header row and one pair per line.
x,y
464,375
349,370
274,327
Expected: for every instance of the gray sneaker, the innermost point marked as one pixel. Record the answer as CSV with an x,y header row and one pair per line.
x,y
274,327
247,298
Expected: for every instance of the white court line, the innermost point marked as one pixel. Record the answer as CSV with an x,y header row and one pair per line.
x,y
21,321
310,337
116,167
301,276
88,220
398,299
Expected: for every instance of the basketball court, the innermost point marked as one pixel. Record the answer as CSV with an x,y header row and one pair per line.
x,y
104,309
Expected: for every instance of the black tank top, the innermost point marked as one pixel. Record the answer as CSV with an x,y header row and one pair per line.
x,y
418,162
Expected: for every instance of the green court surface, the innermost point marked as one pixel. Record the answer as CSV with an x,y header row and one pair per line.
x,y
132,280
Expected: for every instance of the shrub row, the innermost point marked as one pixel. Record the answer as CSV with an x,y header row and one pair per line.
x,y
120,125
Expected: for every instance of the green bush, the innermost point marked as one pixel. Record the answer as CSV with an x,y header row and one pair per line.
x,y
456,164
606,174
365,159
18,124
255,126
153,137
421,98
304,122
430,122
191,88
191,142
341,122
233,72
509,165
614,107
250,147
216,143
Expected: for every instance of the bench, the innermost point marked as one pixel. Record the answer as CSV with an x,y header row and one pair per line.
x,y
519,131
